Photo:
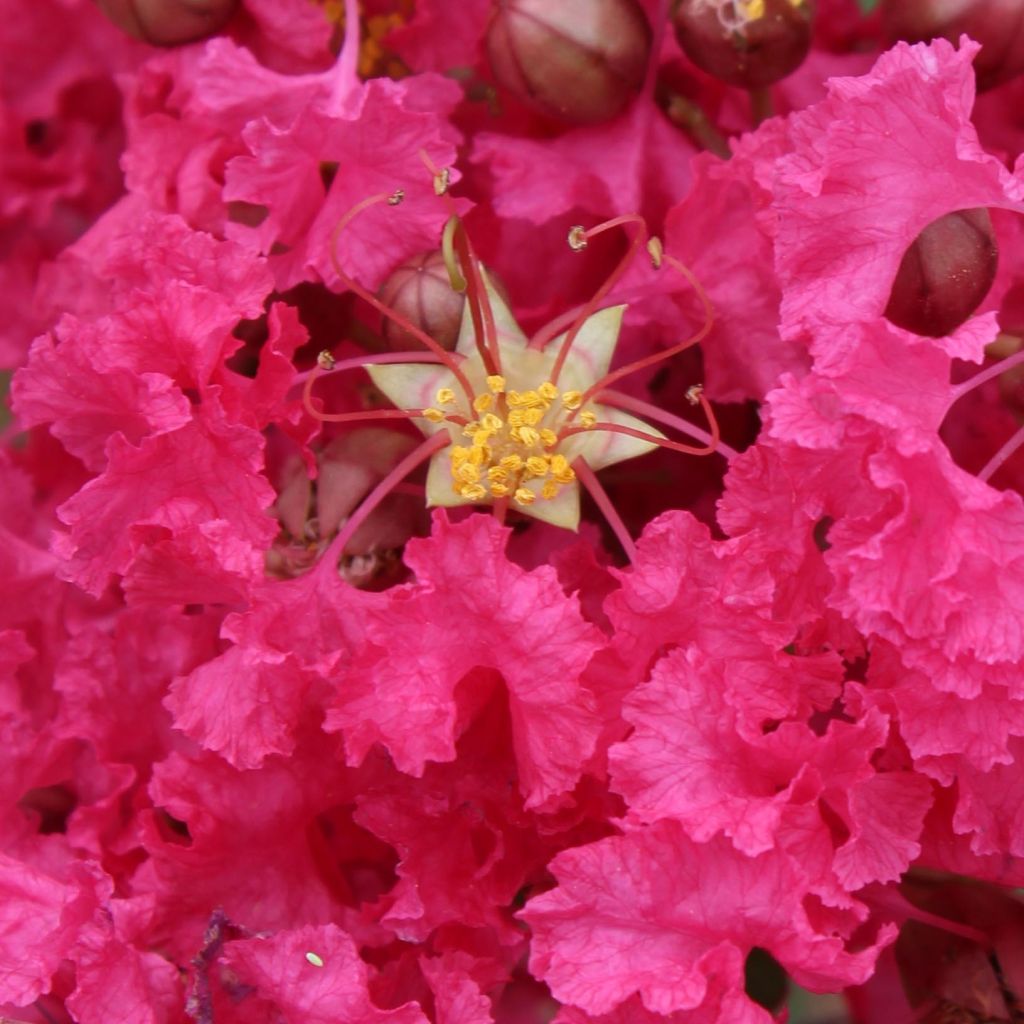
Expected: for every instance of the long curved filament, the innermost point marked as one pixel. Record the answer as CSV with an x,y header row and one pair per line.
x,y
581,238
459,255
641,364
1004,453
329,560
661,442
982,377
649,411
318,372
588,478
443,356
484,328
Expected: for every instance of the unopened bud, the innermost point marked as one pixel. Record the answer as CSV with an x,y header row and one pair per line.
x,y
944,274
169,22
997,24
420,291
748,43
579,60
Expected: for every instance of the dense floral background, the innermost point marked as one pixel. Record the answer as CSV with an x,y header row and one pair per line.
x,y
755,728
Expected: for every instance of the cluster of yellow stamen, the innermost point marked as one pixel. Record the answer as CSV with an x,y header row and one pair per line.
x,y
513,439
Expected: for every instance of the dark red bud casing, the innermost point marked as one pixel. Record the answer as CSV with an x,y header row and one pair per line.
x,y
169,22
997,24
421,291
578,60
945,274
747,44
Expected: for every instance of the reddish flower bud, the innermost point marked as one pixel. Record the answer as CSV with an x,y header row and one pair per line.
x,y
168,22
997,24
749,43
944,274
421,291
580,60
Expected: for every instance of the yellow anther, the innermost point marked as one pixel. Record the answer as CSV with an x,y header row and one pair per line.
x,y
500,490
656,251
467,473
549,490
572,399
514,399
434,415
548,390
496,383
548,437
474,492
527,436
524,496
561,470
480,439
536,465
587,419
470,429
497,475
531,399
444,396
461,456
577,238
441,181
517,417
531,417
511,463
325,360
482,402
693,393
492,422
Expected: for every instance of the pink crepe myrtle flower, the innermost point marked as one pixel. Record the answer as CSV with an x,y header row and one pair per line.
x,y
314,973
517,780
651,883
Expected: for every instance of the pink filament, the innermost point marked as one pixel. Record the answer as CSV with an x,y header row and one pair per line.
x,y
1004,453
620,268
443,356
996,370
618,400
358,362
588,479
479,304
329,560
484,330
641,364
661,442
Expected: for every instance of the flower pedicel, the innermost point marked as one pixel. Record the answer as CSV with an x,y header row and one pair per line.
x,y
511,421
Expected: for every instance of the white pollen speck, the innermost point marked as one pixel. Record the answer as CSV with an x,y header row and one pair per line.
x,y
315,959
